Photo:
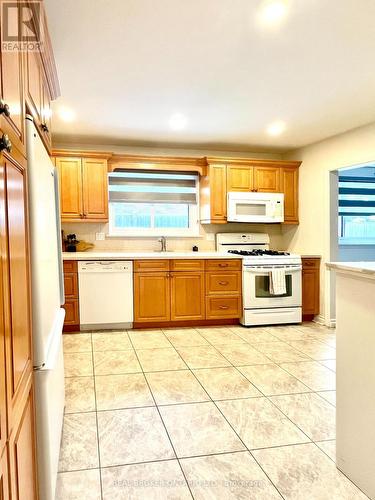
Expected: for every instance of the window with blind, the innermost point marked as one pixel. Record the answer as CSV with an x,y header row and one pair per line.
x,y
356,210
153,203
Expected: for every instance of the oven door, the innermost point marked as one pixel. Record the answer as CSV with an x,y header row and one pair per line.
x,y
256,287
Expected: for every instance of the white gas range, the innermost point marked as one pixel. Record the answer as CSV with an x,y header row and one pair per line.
x,y
261,306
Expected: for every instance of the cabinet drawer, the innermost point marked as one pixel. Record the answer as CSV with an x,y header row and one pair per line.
x,y
71,285
70,266
223,283
313,263
223,307
224,264
71,307
187,265
142,266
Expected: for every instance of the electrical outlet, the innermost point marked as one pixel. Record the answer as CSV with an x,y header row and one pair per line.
x,y
99,236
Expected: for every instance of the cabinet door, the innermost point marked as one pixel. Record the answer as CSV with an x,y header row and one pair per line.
x,y
70,176
152,297
240,178
16,288
71,307
187,296
310,292
95,189
3,429
21,454
218,190
267,179
33,85
12,95
4,480
289,186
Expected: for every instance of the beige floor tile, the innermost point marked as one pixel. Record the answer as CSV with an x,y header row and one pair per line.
x,y
329,448
176,387
329,363
254,335
260,424
229,476
77,342
148,339
280,352
286,333
122,391
242,354
329,396
199,429
159,360
79,445
116,362
202,357
79,394
304,472
220,336
129,436
79,485
151,481
270,379
314,349
328,339
111,341
314,328
78,364
226,383
314,375
185,337
313,415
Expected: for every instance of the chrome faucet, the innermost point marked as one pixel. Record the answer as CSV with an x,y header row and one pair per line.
x,y
163,242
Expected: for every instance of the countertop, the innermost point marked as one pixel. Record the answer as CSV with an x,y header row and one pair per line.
x,y
362,269
89,255
311,256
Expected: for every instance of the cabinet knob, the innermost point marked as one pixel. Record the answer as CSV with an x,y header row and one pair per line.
x,y
223,283
4,108
224,307
223,265
45,128
5,143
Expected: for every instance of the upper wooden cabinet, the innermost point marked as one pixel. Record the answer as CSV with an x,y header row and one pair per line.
x,y
240,178
289,186
83,188
213,195
267,179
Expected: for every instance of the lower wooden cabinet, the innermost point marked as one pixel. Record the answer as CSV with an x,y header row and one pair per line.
x,y
4,479
223,307
187,296
310,287
152,297
71,306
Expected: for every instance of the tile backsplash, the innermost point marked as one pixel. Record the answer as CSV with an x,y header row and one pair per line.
x,y
87,231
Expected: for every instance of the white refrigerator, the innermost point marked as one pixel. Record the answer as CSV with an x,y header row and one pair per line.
x,y
48,315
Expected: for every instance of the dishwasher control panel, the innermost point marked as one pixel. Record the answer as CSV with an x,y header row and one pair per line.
x,y
105,266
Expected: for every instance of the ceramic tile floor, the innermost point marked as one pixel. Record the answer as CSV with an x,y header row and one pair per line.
x,y
206,413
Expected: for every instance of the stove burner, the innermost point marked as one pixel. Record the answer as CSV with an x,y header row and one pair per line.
x,y
257,252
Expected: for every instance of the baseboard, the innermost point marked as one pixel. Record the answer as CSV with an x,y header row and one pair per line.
x,y
321,320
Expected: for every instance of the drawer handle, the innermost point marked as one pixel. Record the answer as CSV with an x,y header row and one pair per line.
x,y
223,307
223,283
223,265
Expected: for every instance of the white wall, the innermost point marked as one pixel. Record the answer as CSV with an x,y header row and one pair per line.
x,y
313,234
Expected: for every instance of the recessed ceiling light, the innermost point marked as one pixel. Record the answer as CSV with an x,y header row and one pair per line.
x,y
178,121
66,114
272,12
276,128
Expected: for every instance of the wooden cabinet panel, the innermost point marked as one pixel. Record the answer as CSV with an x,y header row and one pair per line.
x,y
12,95
218,187
224,264
4,479
70,176
46,114
240,178
223,283
187,296
71,307
223,307
310,287
151,265
70,266
18,347
95,188
267,179
71,285
3,426
34,84
187,265
289,186
152,297
21,454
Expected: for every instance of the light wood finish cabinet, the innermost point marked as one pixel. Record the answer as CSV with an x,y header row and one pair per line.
x,y
267,179
223,264
223,307
71,305
151,265
240,178
289,186
83,189
213,195
71,285
187,265
152,297
187,296
3,396
223,283
4,478
310,287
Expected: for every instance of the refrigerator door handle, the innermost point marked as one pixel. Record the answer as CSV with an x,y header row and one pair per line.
x,y
59,240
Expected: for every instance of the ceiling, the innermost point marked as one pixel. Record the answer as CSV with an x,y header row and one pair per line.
x,y
126,66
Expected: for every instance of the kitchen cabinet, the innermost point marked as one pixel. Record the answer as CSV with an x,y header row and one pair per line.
x,y
213,195
240,178
267,179
83,189
71,288
4,480
310,287
187,296
289,186
223,307
152,297
3,397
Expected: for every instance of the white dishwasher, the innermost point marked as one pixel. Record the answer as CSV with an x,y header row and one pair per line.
x,y
105,294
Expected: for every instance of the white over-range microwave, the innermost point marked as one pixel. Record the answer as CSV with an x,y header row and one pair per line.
x,y
255,207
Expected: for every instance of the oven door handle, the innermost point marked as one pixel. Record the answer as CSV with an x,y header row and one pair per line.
x,y
255,270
